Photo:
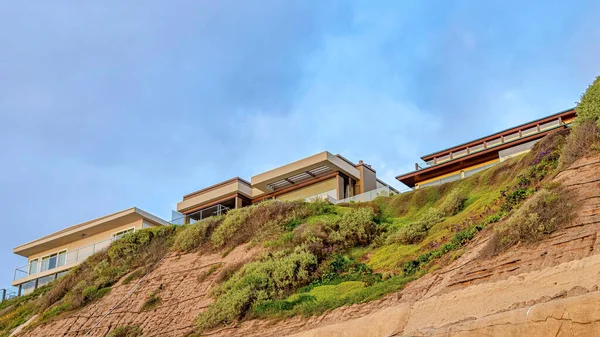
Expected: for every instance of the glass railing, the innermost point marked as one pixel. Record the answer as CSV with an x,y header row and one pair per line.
x,y
368,196
7,294
61,259
180,219
330,196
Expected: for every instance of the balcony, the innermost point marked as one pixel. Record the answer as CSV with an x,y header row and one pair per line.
x,y
37,274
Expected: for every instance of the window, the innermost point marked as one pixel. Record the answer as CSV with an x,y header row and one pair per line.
x,y
54,260
33,266
120,234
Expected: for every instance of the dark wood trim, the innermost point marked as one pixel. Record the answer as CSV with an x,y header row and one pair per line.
x,y
560,115
295,187
223,183
408,178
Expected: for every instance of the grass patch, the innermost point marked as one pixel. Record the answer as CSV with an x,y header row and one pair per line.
x,y
152,301
126,331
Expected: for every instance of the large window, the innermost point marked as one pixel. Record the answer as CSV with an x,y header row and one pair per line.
x,y
54,260
33,266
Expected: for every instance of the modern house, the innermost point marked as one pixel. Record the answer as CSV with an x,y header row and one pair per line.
x,y
466,159
51,256
323,175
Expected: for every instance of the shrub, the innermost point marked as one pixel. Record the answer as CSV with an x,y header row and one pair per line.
x,y
579,142
152,301
273,276
536,218
260,221
190,237
453,203
354,228
55,311
126,331
417,231
588,108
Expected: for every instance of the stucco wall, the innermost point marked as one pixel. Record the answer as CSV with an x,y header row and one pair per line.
x,y
309,191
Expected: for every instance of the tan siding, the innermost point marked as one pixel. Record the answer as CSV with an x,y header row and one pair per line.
x,y
309,191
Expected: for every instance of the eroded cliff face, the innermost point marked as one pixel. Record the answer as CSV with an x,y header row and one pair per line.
x,y
550,288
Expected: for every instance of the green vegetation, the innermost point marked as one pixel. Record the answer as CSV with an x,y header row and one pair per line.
x,y
586,131
539,216
317,256
588,108
152,301
126,331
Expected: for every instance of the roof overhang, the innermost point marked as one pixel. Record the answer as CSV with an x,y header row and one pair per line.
x,y
414,177
563,114
303,170
231,187
85,229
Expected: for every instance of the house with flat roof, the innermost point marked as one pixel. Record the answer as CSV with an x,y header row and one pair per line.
x,y
51,256
466,159
322,176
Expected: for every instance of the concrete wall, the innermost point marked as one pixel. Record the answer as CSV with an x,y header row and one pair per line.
x,y
90,240
311,190
368,180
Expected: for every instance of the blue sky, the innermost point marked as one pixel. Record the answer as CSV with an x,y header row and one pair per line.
x,y
108,105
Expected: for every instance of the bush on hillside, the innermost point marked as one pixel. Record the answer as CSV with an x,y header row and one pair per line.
x,y
275,275
579,142
263,220
191,237
539,216
588,108
126,331
453,203
417,231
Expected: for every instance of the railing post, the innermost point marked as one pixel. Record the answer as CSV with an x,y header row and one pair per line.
x,y
538,128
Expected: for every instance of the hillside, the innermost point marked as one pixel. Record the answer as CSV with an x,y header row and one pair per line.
x,y
509,251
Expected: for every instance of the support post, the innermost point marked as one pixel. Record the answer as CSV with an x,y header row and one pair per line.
x,y
238,202
186,220
3,295
36,284
20,290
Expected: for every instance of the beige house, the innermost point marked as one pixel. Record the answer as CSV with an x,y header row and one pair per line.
x,y
323,176
51,256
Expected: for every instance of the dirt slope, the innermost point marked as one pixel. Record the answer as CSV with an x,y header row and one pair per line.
x,y
546,289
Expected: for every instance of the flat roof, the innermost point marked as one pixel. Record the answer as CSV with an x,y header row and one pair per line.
x,y
428,156
98,225
294,172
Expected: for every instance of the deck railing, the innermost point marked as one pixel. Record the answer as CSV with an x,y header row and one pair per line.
x,y
180,218
491,143
60,260
6,294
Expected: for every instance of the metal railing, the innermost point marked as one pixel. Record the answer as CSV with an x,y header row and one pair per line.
x,y
180,219
6,295
69,258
